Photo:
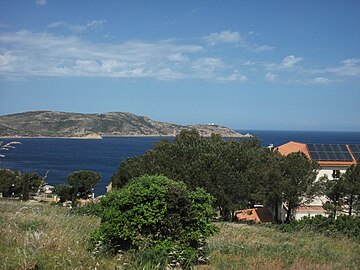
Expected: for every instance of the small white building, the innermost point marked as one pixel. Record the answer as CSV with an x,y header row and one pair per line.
x,y
333,160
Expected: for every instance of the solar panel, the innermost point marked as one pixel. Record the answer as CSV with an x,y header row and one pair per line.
x,y
355,149
330,152
314,155
339,156
311,147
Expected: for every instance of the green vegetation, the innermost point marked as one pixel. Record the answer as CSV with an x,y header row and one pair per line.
x,y
238,173
343,192
240,246
152,222
17,185
80,186
348,226
37,236
153,215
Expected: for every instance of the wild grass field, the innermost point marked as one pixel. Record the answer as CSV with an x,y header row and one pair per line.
x,y
36,236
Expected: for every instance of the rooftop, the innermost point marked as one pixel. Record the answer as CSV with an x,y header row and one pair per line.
x,y
324,154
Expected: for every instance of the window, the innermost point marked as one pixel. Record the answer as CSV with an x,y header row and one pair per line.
x,y
336,174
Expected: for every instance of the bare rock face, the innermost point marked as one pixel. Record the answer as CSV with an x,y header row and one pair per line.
x,y
77,125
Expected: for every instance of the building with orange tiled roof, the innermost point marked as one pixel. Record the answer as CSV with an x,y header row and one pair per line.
x,y
255,215
333,160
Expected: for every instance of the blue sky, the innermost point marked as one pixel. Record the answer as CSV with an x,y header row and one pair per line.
x,y
291,65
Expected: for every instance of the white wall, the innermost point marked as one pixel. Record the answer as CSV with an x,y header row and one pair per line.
x,y
318,201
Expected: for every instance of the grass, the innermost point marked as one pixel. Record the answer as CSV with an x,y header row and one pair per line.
x,y
36,236
258,247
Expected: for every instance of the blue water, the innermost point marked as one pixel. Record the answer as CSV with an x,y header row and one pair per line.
x,y
61,157
279,137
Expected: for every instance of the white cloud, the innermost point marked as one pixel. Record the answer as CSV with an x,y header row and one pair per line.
x,y
178,57
236,76
348,67
271,77
290,61
41,2
320,80
6,58
223,37
208,62
42,54
261,48
77,28
24,54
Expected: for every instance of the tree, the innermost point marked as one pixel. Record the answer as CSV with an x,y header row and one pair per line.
x,y
9,183
334,190
64,191
270,182
156,212
30,182
352,188
83,183
13,184
219,166
299,175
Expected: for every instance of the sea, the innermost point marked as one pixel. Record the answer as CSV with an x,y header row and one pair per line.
x,y
54,159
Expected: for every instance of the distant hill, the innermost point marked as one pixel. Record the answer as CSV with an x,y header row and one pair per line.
x,y
64,124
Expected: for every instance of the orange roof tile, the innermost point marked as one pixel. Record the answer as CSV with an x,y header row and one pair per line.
x,y
292,147
257,215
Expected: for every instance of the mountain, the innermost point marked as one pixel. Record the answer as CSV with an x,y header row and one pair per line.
x,y
78,125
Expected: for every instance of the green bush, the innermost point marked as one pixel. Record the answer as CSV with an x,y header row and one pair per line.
x,y
342,225
89,209
156,215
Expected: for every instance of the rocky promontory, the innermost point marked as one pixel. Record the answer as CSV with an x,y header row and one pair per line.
x,y
77,125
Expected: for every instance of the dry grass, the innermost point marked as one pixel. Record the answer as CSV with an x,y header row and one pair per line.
x,y
257,247
36,236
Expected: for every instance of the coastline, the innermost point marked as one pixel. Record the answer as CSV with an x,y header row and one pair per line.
x,y
100,137
55,137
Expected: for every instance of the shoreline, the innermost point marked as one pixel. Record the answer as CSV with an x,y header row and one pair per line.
x,y
48,137
100,137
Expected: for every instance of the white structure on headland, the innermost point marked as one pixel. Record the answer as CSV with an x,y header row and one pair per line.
x,y
333,160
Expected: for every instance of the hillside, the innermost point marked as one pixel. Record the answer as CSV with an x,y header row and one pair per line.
x,y
63,124
38,236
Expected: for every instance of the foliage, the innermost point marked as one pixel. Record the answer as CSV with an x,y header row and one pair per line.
x,y
9,182
40,236
352,188
239,246
343,192
89,209
158,213
83,182
30,182
222,167
343,225
238,173
80,185
299,175
14,184
334,191
64,191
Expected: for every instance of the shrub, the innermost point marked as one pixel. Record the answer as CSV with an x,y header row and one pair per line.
x,y
343,225
89,209
15,184
154,214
